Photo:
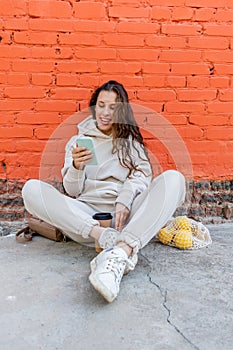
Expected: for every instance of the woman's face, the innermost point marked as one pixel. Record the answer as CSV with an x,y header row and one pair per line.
x,y
105,105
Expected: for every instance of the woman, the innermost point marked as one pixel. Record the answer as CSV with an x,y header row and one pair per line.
x,y
121,183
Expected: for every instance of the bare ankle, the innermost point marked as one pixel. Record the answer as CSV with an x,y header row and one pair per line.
x,y
96,232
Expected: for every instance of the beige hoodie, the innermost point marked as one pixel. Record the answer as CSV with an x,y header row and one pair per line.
x,y
108,182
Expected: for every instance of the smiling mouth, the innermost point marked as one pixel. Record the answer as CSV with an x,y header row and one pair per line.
x,y
105,121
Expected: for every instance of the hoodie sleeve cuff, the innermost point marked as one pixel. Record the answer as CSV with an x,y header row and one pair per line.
x,y
73,173
126,198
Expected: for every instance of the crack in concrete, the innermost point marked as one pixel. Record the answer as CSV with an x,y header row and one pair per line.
x,y
164,295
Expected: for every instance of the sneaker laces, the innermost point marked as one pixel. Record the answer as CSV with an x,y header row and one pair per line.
x,y
117,265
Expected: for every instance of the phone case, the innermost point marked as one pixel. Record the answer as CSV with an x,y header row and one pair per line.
x,y
86,141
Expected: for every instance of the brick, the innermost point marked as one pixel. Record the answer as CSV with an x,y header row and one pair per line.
x,y
32,66
16,105
35,38
220,133
208,120
204,15
93,26
33,145
171,3
226,95
89,10
220,107
80,39
50,25
182,13
43,133
176,119
96,53
223,69
120,67
129,12
54,106
7,118
224,15
208,43
89,80
15,51
78,67
198,82
56,52
19,131
18,79
165,41
126,40
6,37
204,146
181,55
218,30
3,78
153,68
176,81
143,54
184,107
205,3
137,27
127,81
219,56
50,8
196,95
181,29
24,92
71,94
219,82
4,65
66,79
156,95
189,69
41,79
154,80
32,118
16,23
161,13
13,8
190,132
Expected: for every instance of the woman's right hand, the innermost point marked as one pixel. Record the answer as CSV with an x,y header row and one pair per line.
x,y
80,156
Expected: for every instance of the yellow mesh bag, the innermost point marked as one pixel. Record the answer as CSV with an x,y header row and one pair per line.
x,y
184,233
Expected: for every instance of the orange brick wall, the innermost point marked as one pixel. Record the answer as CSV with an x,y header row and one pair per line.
x,y
175,59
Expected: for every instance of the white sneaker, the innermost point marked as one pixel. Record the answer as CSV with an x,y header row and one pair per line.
x,y
108,238
107,270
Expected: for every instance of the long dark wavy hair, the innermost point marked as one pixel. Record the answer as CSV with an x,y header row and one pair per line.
x,y
124,126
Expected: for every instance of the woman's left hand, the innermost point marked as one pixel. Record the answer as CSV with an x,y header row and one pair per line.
x,y
121,216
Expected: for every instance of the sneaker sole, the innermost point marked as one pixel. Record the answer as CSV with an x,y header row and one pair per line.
x,y
101,288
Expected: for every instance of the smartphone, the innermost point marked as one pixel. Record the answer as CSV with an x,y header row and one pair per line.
x,y
87,142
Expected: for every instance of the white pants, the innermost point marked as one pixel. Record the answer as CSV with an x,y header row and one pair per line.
x,y
150,210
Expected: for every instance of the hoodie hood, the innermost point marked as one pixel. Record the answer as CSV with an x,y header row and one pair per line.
x,y
87,127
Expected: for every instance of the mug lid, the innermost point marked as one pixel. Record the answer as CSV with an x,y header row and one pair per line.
x,y
102,216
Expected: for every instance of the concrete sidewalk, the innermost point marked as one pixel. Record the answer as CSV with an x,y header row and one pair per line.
x,y
172,300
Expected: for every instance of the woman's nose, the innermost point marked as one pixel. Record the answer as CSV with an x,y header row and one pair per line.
x,y
106,110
